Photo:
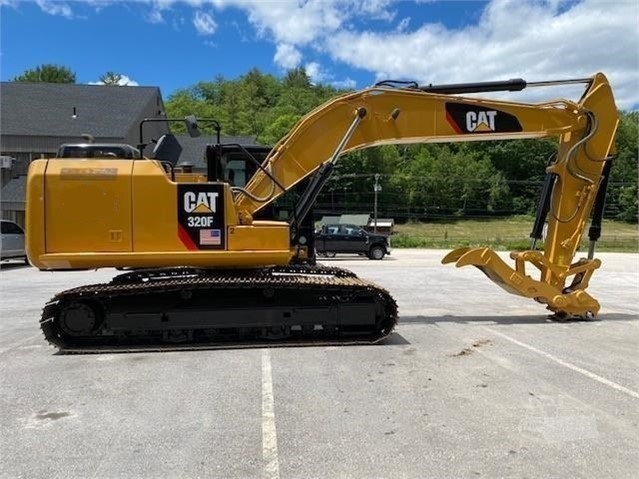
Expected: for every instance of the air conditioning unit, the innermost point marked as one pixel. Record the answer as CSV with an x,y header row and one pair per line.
x,y
6,162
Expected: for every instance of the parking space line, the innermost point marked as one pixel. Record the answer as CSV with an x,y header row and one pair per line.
x,y
269,433
568,365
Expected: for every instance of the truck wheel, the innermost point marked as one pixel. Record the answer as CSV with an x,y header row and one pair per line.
x,y
376,252
329,254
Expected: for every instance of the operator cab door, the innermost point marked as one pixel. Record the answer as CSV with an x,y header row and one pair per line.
x,y
354,238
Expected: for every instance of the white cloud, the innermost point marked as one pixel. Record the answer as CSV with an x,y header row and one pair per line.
x,y
315,72
287,56
347,84
204,23
318,74
124,81
294,22
155,16
376,9
403,24
55,8
301,22
512,39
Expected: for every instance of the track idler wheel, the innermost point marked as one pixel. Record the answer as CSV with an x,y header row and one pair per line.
x,y
78,319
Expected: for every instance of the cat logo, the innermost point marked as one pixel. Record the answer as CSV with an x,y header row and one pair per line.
x,y
467,118
480,121
203,202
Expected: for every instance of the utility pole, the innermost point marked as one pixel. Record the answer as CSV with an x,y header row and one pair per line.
x,y
377,188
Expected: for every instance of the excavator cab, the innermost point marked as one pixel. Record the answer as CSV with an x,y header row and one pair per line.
x,y
236,165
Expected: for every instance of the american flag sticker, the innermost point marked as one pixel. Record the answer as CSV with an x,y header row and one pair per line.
x,y
210,237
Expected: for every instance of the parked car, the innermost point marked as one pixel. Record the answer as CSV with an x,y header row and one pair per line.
x,y
346,238
11,241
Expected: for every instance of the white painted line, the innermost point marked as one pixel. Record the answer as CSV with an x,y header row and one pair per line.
x,y
568,365
269,433
20,343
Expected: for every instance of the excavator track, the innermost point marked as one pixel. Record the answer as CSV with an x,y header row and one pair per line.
x,y
170,309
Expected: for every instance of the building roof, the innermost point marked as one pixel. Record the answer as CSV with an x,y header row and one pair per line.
x,y
329,220
15,190
359,220
193,149
46,109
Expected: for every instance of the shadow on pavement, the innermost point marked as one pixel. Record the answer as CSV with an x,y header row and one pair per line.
x,y
529,319
131,347
395,339
13,265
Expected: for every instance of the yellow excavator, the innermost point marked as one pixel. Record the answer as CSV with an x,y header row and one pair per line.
x,y
204,269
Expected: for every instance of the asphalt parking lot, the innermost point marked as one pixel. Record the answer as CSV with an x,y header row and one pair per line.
x,y
474,383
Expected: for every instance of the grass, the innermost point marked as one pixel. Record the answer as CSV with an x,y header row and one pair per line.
x,y
503,234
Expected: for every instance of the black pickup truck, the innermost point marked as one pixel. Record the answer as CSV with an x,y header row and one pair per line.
x,y
352,239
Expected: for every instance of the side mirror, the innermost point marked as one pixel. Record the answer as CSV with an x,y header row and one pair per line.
x,y
192,126
167,149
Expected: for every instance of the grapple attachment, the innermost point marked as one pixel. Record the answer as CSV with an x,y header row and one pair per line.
x,y
550,289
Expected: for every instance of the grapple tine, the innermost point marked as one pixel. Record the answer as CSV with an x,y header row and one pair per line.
x,y
489,263
478,257
454,255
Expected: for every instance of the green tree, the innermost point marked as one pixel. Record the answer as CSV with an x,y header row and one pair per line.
x,y
279,127
439,180
112,79
622,190
354,175
255,104
188,102
257,94
47,73
523,165
296,78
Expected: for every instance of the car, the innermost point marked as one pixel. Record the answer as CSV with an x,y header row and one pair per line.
x,y
350,239
12,241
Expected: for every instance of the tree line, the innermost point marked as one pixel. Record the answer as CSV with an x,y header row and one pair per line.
x,y
497,178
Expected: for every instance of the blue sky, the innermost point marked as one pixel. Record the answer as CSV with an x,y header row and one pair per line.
x,y
346,43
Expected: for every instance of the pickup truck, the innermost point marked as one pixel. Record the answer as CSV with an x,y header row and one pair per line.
x,y
338,238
